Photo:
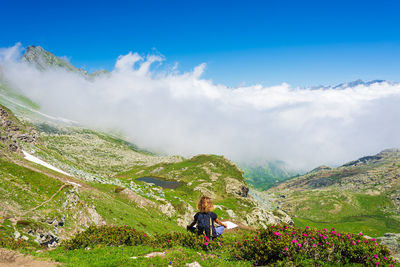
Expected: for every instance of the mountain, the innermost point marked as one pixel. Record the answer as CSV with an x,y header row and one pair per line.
x,y
44,60
352,84
363,194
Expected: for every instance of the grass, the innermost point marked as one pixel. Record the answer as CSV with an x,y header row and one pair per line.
x,y
122,256
346,211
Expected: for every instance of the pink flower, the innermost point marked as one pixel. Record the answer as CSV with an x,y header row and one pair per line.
x,y
327,243
377,263
205,243
294,241
305,235
206,238
286,249
373,239
333,228
307,227
325,229
361,234
312,238
299,245
314,245
375,256
358,241
375,244
324,237
385,258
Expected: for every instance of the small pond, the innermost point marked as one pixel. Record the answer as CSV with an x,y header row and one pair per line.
x,y
160,182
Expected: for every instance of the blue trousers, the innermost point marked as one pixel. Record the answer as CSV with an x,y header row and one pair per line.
x,y
219,230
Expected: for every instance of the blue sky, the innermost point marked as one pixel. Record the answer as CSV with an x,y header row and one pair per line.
x,y
269,42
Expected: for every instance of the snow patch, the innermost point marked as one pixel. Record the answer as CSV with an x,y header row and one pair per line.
x,y
43,163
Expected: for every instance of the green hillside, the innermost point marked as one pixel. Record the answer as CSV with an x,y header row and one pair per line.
x,y
362,195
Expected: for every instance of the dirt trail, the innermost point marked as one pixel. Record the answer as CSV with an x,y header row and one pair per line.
x,y
13,259
59,189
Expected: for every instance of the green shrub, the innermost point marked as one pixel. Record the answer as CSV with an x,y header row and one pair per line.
x,y
107,235
188,240
11,243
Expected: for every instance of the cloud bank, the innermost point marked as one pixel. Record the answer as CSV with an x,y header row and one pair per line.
x,y
182,113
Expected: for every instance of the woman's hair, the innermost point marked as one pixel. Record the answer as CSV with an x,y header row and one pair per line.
x,y
205,204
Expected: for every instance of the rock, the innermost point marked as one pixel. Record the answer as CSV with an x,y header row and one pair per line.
x,y
155,254
157,170
231,213
17,235
259,217
392,241
187,217
167,209
95,217
204,189
138,199
193,264
236,187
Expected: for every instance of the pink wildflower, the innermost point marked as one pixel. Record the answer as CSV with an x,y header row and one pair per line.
x,y
299,245
314,245
373,239
307,227
294,241
206,238
325,229
361,234
375,256
377,263
286,249
205,243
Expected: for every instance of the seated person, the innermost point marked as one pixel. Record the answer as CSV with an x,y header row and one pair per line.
x,y
205,220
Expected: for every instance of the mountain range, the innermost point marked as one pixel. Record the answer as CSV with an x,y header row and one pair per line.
x,y
100,178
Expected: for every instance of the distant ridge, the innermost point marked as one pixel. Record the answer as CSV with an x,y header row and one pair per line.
x,y
45,60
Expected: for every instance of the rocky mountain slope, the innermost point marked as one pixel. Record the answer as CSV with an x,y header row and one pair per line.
x,y
362,195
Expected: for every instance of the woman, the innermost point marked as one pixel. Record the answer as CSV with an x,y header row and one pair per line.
x,y
205,219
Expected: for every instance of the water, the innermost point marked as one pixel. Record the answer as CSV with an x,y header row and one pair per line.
x,y
160,182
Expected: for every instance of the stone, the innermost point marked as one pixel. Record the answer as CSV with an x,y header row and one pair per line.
x,y
193,264
17,235
155,254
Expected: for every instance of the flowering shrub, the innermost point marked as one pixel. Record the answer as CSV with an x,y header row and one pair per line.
x,y
275,244
290,244
107,235
188,240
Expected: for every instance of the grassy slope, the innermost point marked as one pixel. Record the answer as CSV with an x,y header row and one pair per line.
x,y
192,174
360,198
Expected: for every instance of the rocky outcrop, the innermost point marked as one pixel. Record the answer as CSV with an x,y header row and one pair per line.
x,y
392,241
235,187
205,189
261,218
12,132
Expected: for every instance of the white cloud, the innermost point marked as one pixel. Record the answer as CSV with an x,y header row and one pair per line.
x,y
181,113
